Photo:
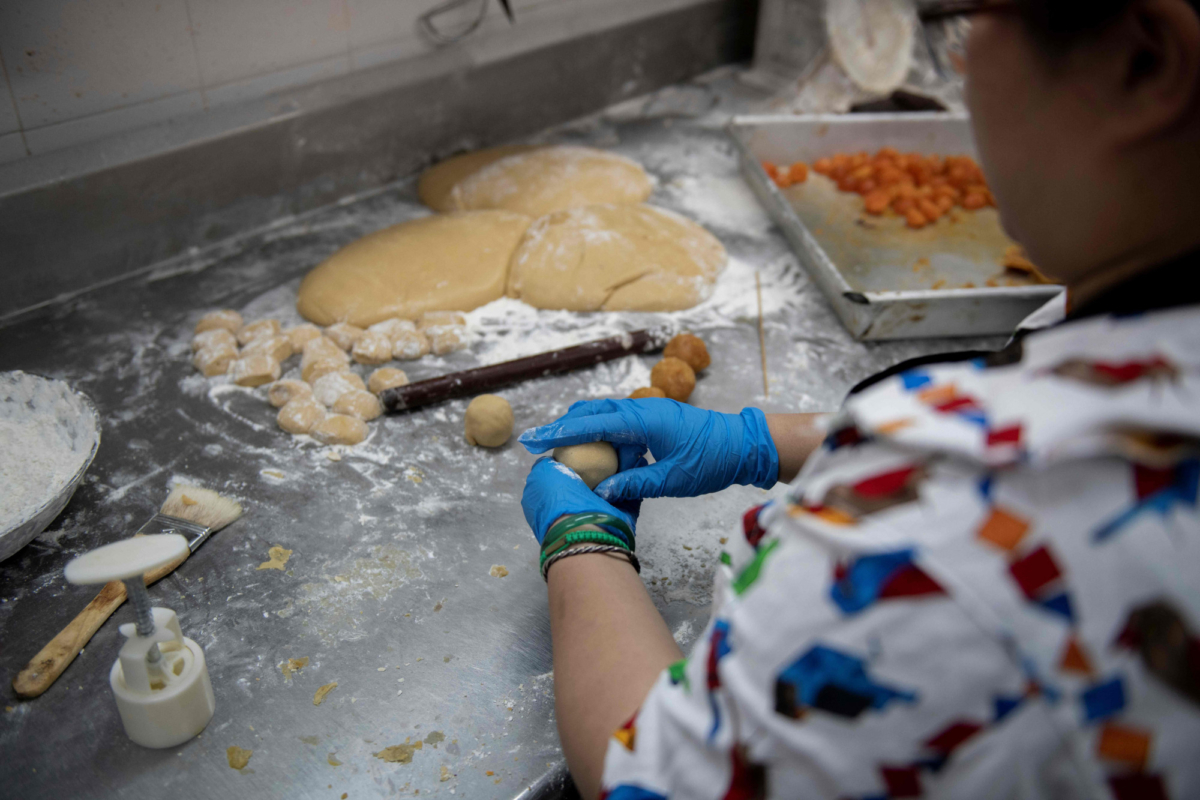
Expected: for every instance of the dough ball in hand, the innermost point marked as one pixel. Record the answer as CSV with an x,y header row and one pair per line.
x,y
488,421
257,330
213,337
410,345
277,347
280,393
372,348
212,361
593,462
328,388
226,319
674,377
358,403
302,335
689,348
300,415
647,391
386,378
343,334
339,429
254,369
314,371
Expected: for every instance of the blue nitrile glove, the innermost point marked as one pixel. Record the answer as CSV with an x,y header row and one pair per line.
x,y
696,451
553,490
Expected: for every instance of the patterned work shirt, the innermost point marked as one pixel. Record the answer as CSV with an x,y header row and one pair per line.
x,y
986,583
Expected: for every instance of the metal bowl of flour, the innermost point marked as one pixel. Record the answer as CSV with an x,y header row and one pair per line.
x,y
49,434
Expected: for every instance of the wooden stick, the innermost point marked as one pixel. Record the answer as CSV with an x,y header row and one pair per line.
x,y
41,672
762,339
484,379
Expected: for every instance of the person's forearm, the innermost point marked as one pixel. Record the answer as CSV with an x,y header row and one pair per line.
x,y
610,644
796,436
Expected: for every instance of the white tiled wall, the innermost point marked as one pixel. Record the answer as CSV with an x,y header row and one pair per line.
x,y
78,71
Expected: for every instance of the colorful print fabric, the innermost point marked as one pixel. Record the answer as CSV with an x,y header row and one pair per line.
x,y
985,584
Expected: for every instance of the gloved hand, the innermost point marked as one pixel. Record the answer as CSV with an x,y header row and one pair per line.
x,y
553,490
696,451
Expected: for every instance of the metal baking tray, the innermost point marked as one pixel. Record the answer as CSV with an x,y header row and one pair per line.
x,y
884,280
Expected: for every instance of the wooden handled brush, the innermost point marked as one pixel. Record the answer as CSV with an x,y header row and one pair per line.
x,y
195,513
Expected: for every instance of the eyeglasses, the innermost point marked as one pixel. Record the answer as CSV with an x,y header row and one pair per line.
x,y
948,22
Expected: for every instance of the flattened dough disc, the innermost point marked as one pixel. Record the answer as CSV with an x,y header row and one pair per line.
x,y
872,40
615,258
446,262
551,179
439,180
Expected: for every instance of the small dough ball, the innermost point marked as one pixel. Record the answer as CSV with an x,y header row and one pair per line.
x,y
277,347
391,328
488,421
322,349
257,330
302,335
689,348
328,388
344,335
372,348
386,378
299,415
214,361
674,377
441,319
254,370
318,369
447,340
225,319
358,403
593,461
647,391
410,345
212,338
281,393
339,429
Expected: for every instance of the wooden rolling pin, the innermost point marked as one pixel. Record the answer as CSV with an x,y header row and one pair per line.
x,y
484,379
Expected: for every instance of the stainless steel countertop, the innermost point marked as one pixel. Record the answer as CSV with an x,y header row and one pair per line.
x,y
388,590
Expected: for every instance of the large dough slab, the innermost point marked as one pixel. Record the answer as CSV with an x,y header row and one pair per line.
x,y
615,258
551,179
445,262
439,181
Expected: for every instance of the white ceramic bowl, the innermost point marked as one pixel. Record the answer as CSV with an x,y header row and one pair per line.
x,y
72,435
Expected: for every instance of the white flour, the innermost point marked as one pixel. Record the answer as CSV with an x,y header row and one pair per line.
x,y
45,434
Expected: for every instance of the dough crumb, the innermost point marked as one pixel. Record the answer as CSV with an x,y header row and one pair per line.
x,y
279,558
293,665
331,759
238,757
498,571
445,776
399,753
435,738
324,690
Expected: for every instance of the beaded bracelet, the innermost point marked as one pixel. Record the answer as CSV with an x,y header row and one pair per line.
x,y
594,548
574,521
582,537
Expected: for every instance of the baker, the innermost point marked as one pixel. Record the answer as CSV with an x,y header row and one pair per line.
x,y
986,579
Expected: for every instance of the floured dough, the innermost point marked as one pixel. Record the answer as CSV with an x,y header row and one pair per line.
x,y
277,347
344,335
615,258
447,340
300,415
227,319
439,180
488,421
213,337
451,261
391,328
215,360
301,335
358,403
328,388
373,348
386,378
410,345
315,370
339,429
593,462
257,330
321,348
280,393
553,179
254,369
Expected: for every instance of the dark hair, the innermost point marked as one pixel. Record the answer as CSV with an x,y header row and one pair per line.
x,y
1060,23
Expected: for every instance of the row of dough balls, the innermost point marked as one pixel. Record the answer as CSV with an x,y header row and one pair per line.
x,y
675,376
327,384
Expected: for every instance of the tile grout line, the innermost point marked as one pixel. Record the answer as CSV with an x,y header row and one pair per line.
x,y
12,98
187,10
